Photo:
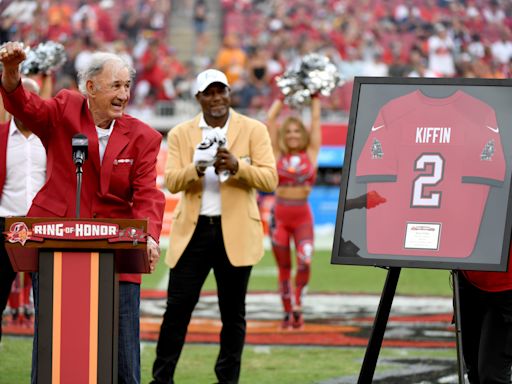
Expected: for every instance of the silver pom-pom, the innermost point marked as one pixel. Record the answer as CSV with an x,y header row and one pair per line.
x,y
313,74
47,57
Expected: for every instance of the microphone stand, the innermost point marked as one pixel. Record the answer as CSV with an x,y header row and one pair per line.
x,y
79,173
79,144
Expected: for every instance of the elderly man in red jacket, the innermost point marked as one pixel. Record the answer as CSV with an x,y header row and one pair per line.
x,y
119,177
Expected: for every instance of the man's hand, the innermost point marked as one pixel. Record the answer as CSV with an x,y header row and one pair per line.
x,y
225,161
153,253
11,55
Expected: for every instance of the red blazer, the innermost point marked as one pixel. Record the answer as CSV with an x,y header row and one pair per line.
x,y
4,134
123,186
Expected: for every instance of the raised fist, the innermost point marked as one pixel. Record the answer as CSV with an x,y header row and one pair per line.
x,y
12,54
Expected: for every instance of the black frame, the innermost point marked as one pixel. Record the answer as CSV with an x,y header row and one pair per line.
x,y
370,94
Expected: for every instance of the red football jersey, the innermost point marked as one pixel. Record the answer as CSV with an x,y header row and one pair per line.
x,y
434,161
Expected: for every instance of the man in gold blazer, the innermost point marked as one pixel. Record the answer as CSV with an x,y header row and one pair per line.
x,y
217,160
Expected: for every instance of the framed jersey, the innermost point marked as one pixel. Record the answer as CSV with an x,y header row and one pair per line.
x,y
426,177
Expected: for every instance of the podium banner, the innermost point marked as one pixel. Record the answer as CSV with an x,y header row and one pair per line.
x,y
78,263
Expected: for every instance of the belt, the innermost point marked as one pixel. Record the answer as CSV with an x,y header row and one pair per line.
x,y
211,220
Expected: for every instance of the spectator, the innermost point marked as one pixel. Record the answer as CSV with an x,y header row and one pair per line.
x,y
129,23
85,21
104,27
376,67
475,47
59,20
486,325
231,59
173,66
20,179
501,49
353,65
200,16
83,57
441,52
419,66
255,88
397,65
492,13
154,83
19,299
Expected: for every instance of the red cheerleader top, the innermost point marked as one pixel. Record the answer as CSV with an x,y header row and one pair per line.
x,y
295,169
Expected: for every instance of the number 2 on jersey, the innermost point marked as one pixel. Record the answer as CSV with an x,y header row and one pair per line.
x,y
432,165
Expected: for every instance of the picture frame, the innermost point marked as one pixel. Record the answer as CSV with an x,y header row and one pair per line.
x,y
426,175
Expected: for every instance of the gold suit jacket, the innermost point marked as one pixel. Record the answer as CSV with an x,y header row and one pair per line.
x,y
248,140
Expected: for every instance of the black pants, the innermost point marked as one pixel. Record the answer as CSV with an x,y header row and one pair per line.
x,y
204,252
486,330
7,275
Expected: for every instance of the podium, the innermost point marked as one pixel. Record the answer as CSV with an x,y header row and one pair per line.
x,y
78,261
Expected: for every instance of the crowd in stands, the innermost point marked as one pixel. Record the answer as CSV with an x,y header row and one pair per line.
x,y
428,38
135,29
261,38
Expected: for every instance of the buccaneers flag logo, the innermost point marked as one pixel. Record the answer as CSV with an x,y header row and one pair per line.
x,y
18,233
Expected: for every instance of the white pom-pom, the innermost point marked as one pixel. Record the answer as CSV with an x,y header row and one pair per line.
x,y
47,57
313,74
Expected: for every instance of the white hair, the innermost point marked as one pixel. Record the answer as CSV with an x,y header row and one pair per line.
x,y
95,66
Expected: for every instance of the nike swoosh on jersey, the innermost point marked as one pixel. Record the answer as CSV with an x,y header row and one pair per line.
x,y
497,129
377,128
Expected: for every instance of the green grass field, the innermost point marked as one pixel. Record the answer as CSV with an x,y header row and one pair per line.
x,y
326,277
263,364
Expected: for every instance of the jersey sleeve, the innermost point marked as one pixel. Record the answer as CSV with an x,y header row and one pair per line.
x,y
484,159
378,159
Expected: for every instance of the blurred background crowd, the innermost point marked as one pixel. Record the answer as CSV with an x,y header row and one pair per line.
x,y
254,41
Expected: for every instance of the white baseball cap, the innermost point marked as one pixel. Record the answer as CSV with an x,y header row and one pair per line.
x,y
210,76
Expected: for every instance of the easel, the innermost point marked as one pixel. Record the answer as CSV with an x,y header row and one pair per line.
x,y
381,319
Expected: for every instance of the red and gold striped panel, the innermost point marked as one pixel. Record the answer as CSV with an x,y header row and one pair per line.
x,y
75,318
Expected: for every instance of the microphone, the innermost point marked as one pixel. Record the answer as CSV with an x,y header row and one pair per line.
x,y
79,143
